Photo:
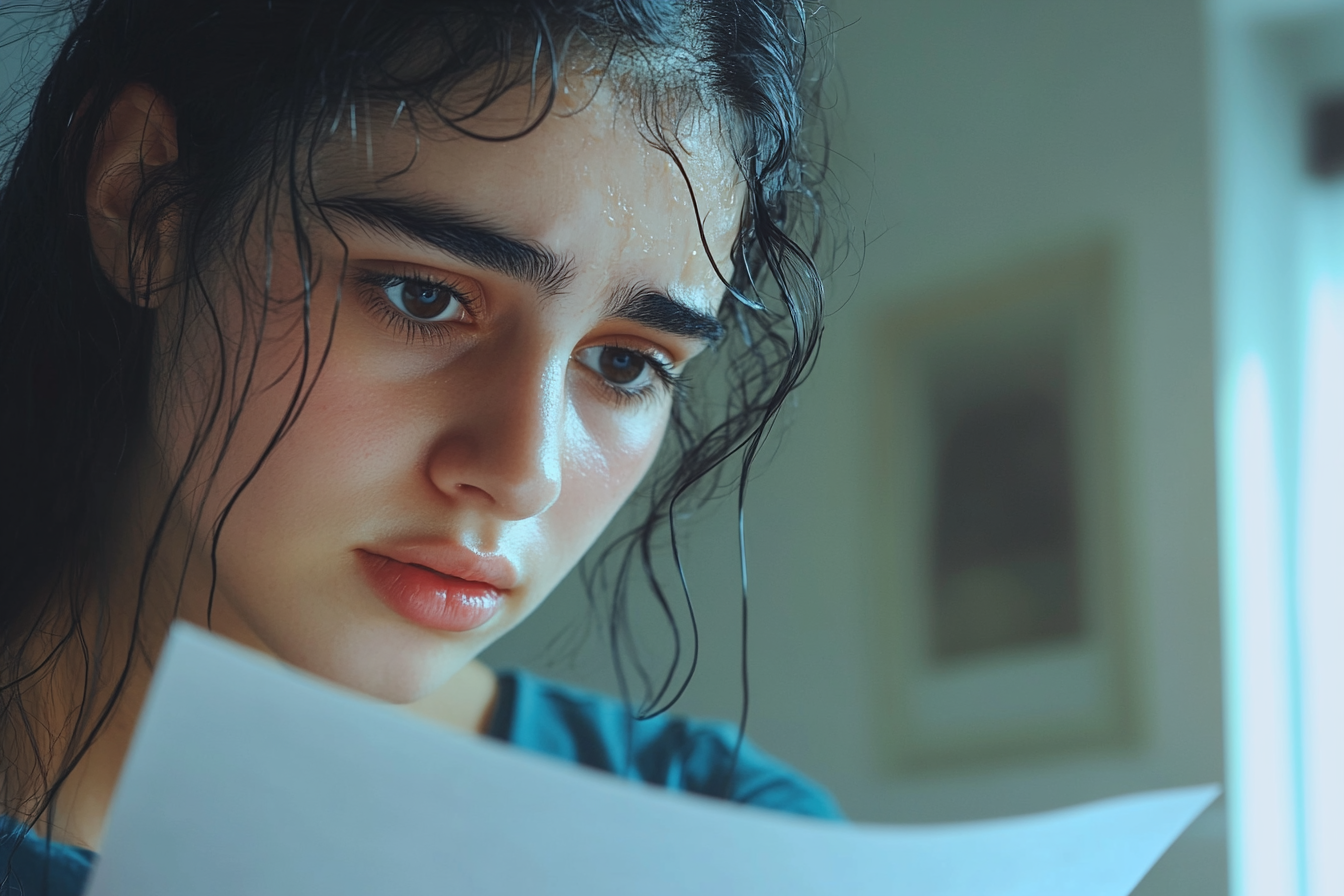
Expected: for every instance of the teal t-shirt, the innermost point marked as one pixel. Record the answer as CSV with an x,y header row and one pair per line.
x,y
547,717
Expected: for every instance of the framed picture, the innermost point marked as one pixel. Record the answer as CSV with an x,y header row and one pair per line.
x,y
998,539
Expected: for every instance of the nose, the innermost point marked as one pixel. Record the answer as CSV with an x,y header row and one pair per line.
x,y
504,440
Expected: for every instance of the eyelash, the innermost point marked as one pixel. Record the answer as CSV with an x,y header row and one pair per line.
x,y
665,379
414,330
437,333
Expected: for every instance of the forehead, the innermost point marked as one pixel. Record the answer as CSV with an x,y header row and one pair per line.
x,y
587,182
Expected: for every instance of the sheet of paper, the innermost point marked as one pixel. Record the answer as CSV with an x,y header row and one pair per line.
x,y
246,777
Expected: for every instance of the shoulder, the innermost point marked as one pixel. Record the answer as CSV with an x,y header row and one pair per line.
x,y
671,751
31,865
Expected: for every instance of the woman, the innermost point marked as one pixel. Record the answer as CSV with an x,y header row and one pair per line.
x,y
344,328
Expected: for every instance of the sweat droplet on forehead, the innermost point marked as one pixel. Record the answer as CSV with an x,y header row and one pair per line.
x,y
588,185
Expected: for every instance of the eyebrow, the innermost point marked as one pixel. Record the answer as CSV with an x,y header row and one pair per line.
x,y
473,240
657,311
488,246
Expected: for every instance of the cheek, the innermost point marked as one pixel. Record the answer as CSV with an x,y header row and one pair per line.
x,y
606,457
229,386
356,445
346,472
635,444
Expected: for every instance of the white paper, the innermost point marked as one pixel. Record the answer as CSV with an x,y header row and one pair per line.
x,y
248,778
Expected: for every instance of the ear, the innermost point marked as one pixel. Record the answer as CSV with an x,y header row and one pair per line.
x,y
137,137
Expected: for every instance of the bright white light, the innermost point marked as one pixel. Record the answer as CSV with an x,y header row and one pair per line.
x,y
1321,588
1261,755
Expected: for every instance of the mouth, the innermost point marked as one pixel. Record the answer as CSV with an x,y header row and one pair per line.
x,y
459,598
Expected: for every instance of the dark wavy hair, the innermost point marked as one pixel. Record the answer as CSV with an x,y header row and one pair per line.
x,y
256,86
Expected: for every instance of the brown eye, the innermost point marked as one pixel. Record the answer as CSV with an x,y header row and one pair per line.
x,y
620,365
623,368
424,301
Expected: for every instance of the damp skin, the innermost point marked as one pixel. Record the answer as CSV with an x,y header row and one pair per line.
x,y
496,430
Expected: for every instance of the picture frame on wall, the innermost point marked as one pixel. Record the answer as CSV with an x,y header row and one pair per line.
x,y
997,518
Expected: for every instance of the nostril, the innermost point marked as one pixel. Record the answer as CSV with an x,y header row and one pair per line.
x,y
467,488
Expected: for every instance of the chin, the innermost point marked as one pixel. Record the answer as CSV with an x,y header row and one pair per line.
x,y
397,663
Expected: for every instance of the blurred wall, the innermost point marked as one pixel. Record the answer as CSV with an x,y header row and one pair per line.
x,y
973,134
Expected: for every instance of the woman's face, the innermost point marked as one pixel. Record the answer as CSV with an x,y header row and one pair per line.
x,y
511,315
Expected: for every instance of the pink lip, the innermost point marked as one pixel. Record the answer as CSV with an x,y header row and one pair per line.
x,y
453,560
443,587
